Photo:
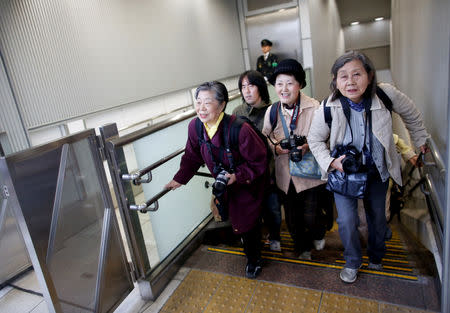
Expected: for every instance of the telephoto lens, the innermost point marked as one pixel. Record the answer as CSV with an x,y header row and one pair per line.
x,y
352,161
220,184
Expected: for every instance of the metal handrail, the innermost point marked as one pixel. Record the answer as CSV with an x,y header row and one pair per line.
x,y
129,138
156,117
431,186
438,162
136,176
431,190
145,207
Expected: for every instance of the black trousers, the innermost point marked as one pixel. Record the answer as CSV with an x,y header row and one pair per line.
x,y
305,217
252,244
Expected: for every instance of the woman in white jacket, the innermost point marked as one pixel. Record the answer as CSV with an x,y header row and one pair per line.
x,y
361,120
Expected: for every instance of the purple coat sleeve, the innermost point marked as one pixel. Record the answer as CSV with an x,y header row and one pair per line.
x,y
254,153
191,159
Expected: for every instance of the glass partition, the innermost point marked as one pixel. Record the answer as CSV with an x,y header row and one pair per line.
x,y
180,211
233,104
73,235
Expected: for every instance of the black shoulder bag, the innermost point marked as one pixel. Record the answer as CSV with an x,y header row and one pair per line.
x,y
352,185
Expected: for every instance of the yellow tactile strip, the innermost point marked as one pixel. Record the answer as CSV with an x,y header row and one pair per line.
x,y
270,297
234,294
218,293
334,303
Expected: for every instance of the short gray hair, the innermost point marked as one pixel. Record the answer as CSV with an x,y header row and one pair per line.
x,y
220,91
368,66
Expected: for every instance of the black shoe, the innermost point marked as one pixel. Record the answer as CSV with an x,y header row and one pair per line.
x,y
253,270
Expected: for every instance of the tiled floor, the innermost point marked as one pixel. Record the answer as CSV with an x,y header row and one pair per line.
x,y
202,291
16,301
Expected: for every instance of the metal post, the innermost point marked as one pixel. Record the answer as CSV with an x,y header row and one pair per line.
x,y
124,194
445,295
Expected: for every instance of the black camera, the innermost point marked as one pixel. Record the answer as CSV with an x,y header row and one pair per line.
x,y
352,161
291,144
220,185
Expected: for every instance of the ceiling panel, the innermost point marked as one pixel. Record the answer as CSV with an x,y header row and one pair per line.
x,y
363,10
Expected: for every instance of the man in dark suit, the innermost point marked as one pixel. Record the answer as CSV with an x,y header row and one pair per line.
x,y
268,61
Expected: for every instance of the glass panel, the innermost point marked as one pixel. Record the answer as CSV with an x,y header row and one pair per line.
x,y
233,104
180,211
116,276
60,195
77,230
14,256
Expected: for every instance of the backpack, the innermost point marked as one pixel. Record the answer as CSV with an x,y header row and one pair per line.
x,y
231,135
273,114
380,93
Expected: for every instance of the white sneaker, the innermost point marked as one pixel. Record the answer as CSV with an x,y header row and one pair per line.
x,y
319,244
275,245
305,255
348,275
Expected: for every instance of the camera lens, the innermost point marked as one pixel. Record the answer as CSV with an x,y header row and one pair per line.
x,y
285,144
220,184
350,164
295,155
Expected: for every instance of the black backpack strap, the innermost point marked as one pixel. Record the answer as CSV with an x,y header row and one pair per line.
x,y
199,129
327,113
384,98
228,128
235,128
274,114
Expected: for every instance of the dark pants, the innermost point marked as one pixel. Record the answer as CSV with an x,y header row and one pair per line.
x,y
252,244
304,217
348,221
272,213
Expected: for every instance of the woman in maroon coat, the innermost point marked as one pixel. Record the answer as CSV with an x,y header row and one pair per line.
x,y
246,183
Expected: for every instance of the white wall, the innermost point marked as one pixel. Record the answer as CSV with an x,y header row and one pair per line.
x,y
69,60
420,60
327,42
128,118
367,35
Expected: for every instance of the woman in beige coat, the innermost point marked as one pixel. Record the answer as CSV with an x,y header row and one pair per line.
x,y
360,119
302,197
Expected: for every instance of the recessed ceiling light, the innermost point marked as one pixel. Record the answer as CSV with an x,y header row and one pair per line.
x,y
354,23
379,18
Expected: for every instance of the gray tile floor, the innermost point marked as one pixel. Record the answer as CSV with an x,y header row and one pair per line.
x,y
13,300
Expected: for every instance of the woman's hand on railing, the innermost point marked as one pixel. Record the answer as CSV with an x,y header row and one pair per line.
x,y
424,148
415,161
172,185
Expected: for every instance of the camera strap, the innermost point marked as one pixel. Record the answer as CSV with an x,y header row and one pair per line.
x,y
295,115
347,112
218,164
283,121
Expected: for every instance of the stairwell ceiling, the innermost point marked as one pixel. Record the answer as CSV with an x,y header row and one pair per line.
x,y
363,10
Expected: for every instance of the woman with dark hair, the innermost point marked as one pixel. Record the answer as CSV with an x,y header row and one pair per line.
x,y
352,140
243,170
255,101
255,97
304,198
